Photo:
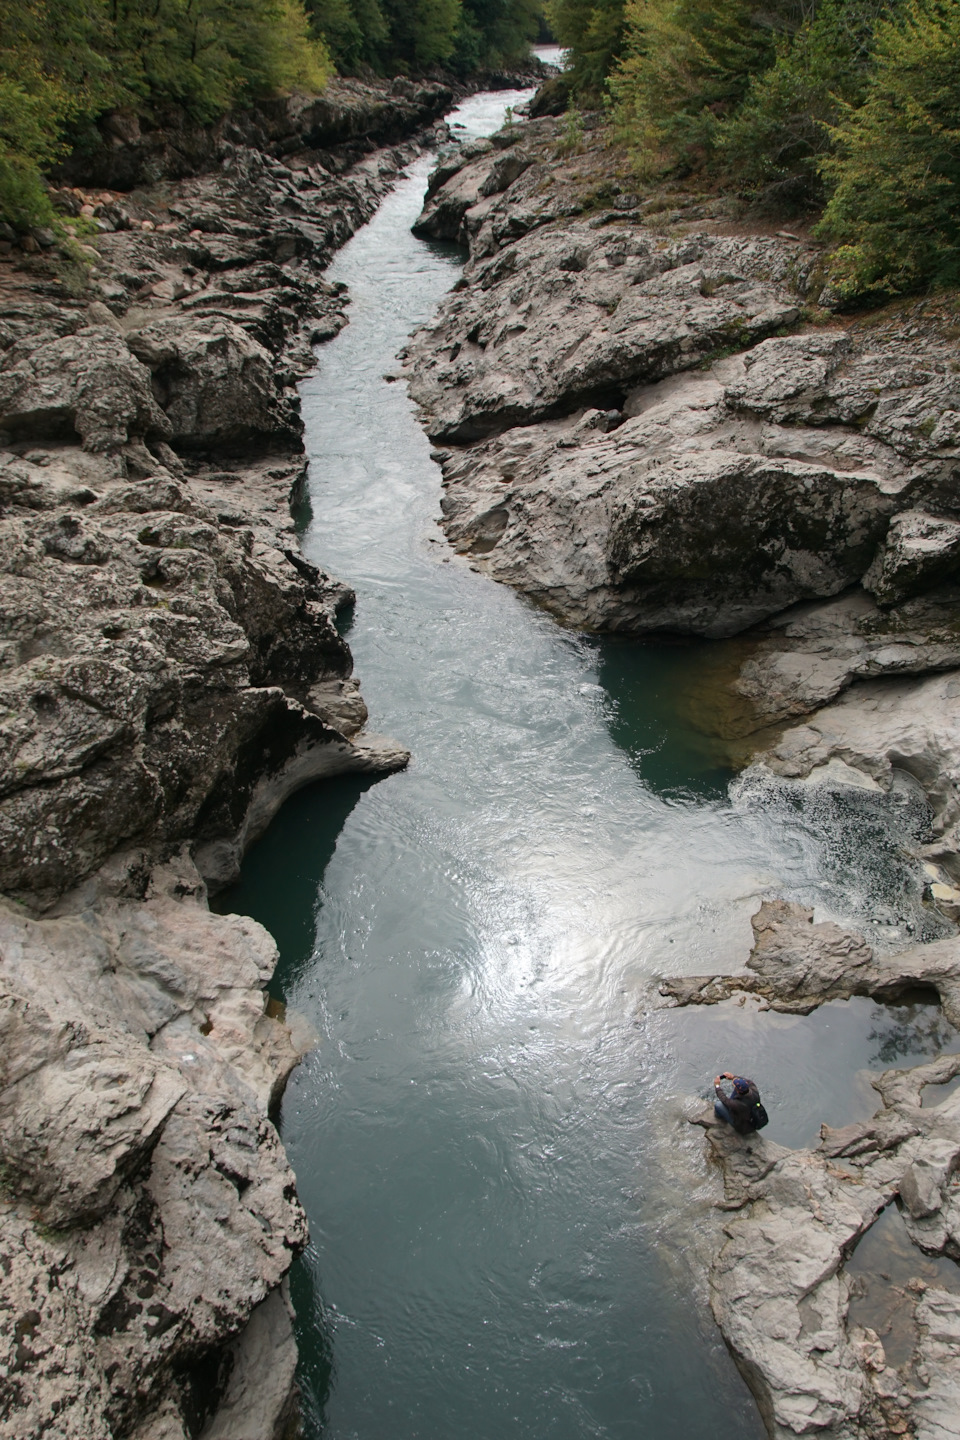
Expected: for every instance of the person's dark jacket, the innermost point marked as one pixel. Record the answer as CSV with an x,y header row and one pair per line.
x,y
742,1108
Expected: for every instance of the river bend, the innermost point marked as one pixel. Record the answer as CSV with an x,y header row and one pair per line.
x,y
488,1137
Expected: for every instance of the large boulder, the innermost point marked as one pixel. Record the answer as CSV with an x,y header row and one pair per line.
x,y
216,384
919,550
575,316
681,517
153,1210
87,384
156,668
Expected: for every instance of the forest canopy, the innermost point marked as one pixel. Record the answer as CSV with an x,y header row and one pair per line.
x,y
399,36
849,107
65,62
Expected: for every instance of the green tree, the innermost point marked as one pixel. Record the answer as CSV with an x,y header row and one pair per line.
x,y
592,32
773,144
495,32
208,55
895,173
686,65
66,61
422,32
52,69
357,32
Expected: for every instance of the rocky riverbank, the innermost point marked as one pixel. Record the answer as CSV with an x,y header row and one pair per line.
x,y
780,1283
653,418
171,671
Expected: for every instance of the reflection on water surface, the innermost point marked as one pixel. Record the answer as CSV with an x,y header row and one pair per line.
x,y
485,1140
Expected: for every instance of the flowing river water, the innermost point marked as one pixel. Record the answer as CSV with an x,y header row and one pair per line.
x,y
488,1138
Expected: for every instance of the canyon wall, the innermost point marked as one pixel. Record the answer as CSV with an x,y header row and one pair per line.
x,y
171,669
652,417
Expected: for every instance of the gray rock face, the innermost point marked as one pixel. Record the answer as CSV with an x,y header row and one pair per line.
x,y
133,152
600,457
807,655
148,1209
157,668
565,318
86,384
877,729
688,516
918,550
170,670
216,384
795,966
779,1288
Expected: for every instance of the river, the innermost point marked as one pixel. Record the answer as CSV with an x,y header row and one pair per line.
x,y
488,1138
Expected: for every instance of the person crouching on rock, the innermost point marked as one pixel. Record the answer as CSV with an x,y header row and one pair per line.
x,y
742,1109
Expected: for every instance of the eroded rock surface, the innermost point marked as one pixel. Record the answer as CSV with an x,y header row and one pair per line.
x,y
147,1206
170,670
604,451
779,1287
877,730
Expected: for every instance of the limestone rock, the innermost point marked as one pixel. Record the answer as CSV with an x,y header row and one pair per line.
x,y
85,384
919,1191
215,384
605,453
149,1209
170,670
563,319
796,966
682,518
779,1288
936,1407
918,551
260,1400
458,183
884,726
804,657
154,666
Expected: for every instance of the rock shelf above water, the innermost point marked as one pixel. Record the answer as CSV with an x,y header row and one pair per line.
x,y
779,1286
170,670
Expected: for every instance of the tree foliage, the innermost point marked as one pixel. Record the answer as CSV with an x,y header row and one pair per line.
x,y
686,65
774,143
62,61
851,104
592,31
894,175
400,36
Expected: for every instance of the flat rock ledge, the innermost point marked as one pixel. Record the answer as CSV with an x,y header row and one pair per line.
x,y
170,671
779,1287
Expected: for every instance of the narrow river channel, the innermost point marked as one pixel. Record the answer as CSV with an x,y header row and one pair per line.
x,y
488,1137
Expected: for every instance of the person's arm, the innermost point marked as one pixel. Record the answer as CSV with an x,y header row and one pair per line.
x,y
717,1088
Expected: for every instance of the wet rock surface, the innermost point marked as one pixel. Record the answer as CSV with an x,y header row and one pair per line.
x,y
780,1285
170,669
